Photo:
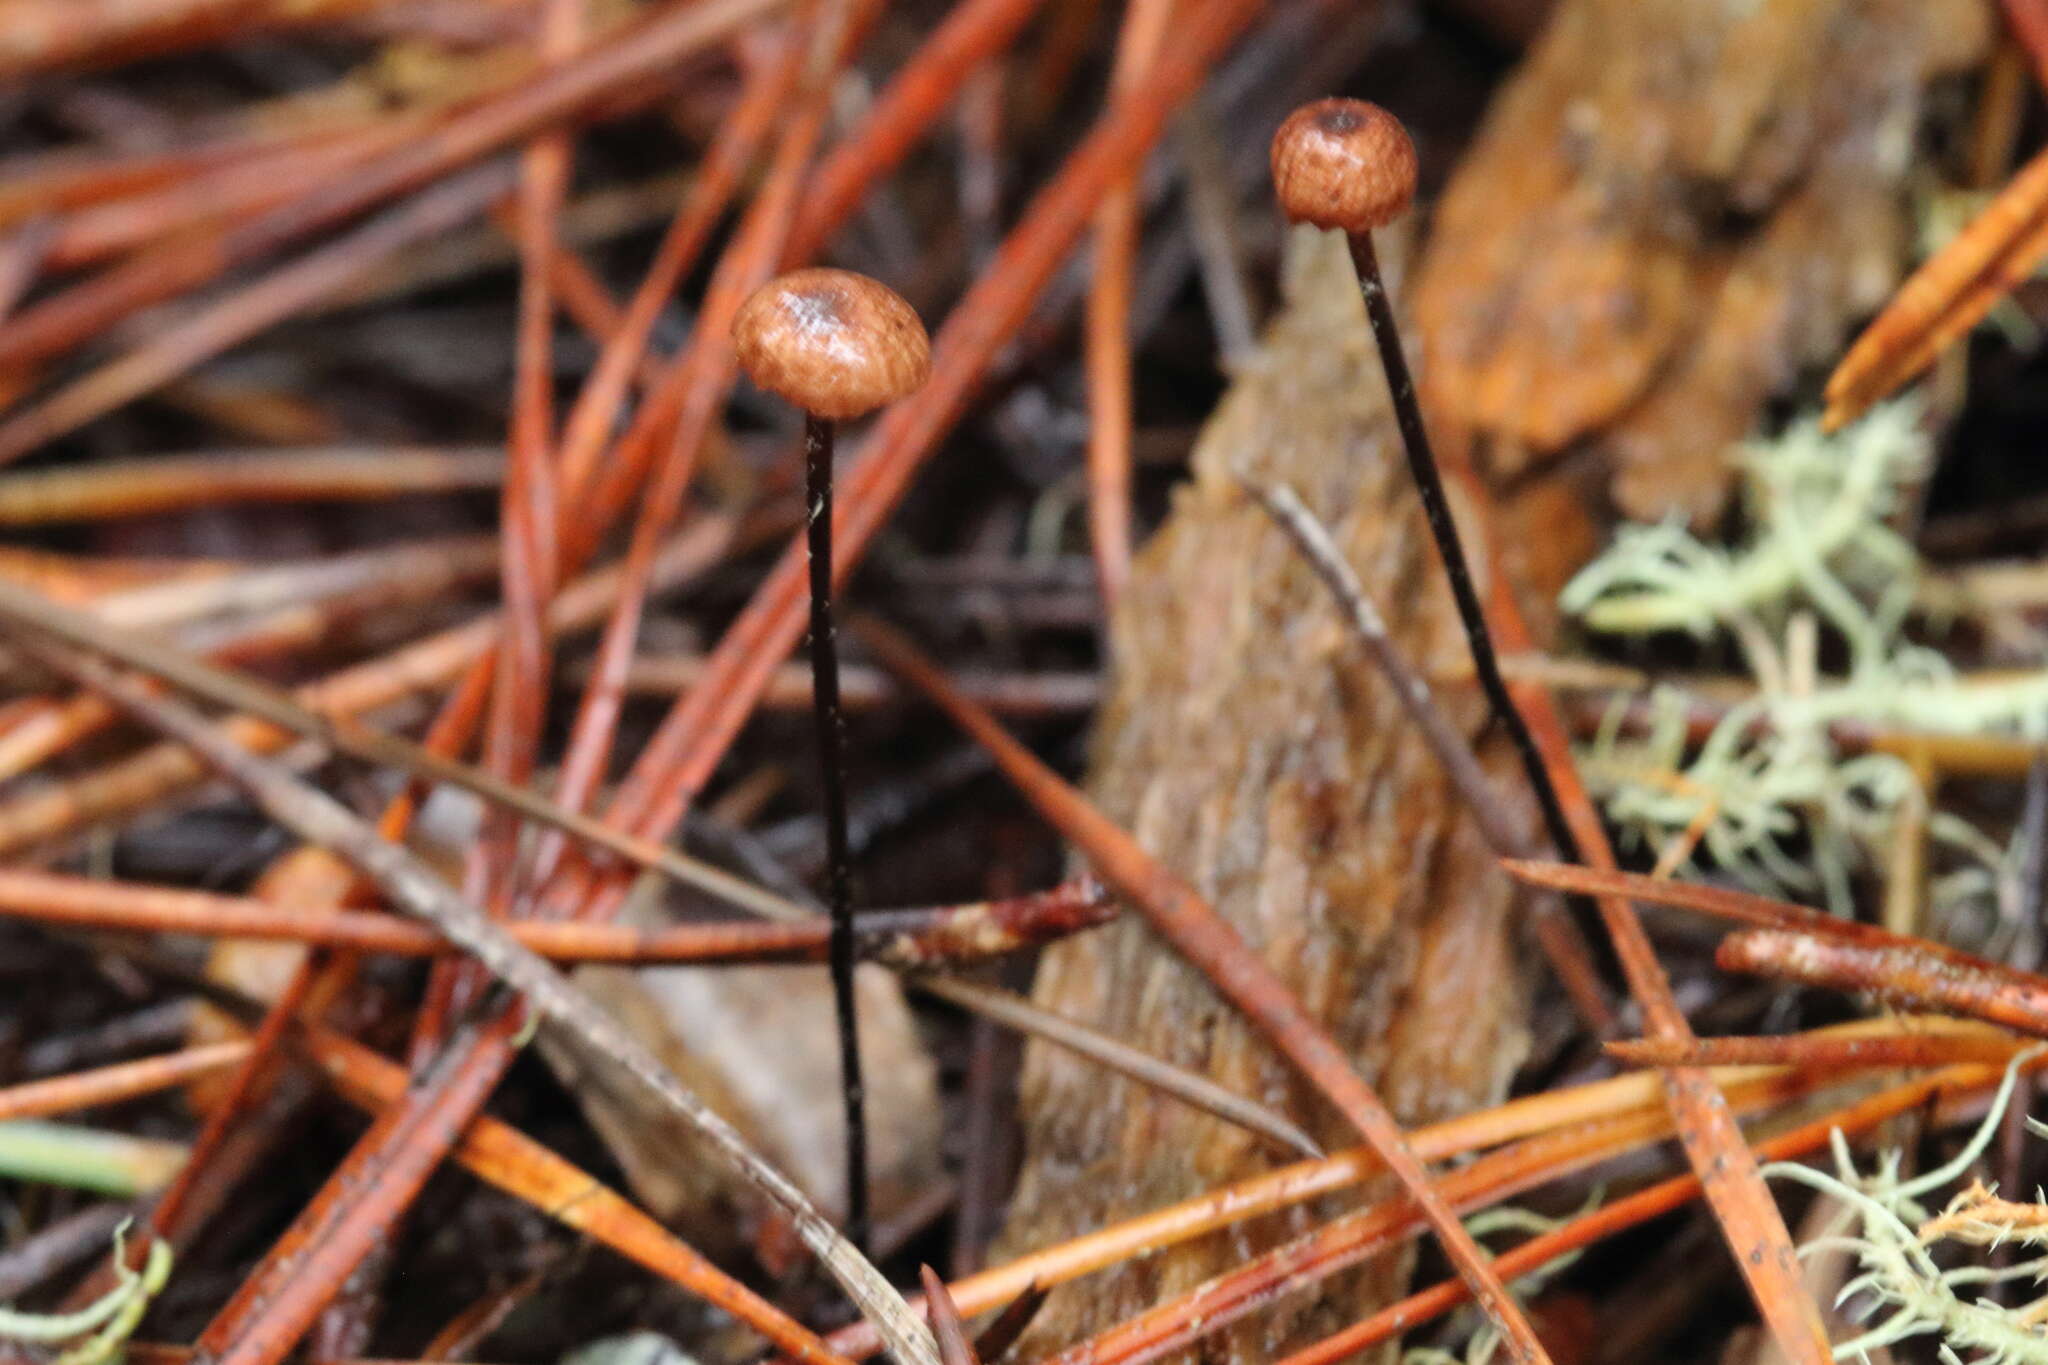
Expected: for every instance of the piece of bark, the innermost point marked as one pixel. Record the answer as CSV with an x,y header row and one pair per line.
x,y
1671,209
1249,746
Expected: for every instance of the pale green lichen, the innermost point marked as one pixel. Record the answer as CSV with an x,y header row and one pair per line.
x,y
1816,505
1819,550
1901,1288
100,1330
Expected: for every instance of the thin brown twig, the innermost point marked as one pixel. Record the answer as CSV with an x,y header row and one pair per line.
x,y
169,483
1016,1012
1741,907
1903,975
913,940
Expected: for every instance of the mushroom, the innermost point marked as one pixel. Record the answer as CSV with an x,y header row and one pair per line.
x,y
1349,166
837,345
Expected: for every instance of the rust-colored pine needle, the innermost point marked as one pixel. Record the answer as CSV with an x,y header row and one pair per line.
x,y
910,939
1107,326
503,1156
272,1309
1819,1053
1213,946
529,508
131,784
2028,20
971,32
1744,907
262,304
1750,1090
703,376
487,125
1948,295
113,1084
169,483
312,878
954,1347
772,67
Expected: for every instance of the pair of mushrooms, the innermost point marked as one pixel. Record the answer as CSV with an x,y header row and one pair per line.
x,y
839,345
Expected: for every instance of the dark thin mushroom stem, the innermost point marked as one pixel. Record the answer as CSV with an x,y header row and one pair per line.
x,y
832,774
836,345
1349,166
1443,528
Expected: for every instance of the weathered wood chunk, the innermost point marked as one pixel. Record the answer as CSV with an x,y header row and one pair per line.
x,y
1673,207
1249,747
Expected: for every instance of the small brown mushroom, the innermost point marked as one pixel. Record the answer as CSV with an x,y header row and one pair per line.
x,y
836,344
1348,165
1343,164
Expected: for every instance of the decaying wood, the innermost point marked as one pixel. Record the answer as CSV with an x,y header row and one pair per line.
x,y
1672,208
1251,752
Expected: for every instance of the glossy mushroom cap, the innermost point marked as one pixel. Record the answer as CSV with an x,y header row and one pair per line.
x,y
836,344
1343,164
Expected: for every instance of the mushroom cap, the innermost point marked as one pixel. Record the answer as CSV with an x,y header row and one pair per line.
x,y
836,344
1342,163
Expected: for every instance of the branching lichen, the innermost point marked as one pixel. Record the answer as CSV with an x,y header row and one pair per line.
x,y
1901,1288
1817,505
1771,771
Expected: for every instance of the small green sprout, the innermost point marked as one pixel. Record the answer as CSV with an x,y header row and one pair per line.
x,y
106,1323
